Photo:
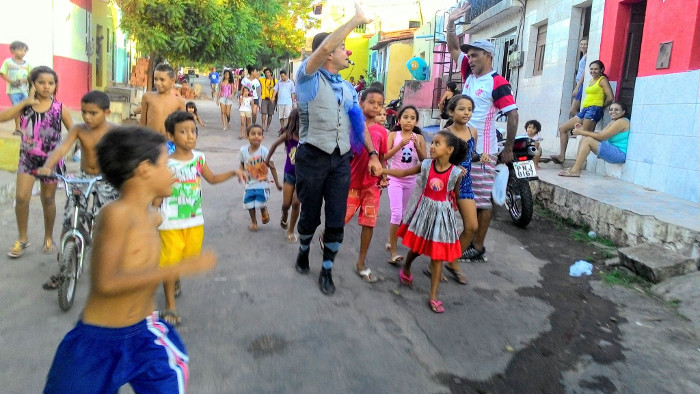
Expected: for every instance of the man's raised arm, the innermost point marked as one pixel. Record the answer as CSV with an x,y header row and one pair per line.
x,y
319,56
452,40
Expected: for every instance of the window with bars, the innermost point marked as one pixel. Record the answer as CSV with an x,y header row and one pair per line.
x,y
539,50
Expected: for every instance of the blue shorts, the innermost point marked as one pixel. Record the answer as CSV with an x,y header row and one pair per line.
x,y
149,355
290,178
16,98
226,100
593,112
579,94
256,198
611,153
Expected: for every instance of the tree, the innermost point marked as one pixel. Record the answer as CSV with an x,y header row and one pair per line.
x,y
287,33
234,32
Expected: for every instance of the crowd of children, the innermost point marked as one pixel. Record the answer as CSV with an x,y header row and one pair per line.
x,y
159,188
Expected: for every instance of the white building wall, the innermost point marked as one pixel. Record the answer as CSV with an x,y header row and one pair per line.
x,y
70,30
664,144
547,97
23,26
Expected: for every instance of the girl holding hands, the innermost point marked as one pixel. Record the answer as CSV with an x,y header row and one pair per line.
x,y
429,226
407,150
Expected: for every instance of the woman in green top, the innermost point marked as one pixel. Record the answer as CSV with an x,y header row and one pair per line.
x,y
610,144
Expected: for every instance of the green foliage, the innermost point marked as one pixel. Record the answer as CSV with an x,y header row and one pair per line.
x,y
617,277
230,32
285,33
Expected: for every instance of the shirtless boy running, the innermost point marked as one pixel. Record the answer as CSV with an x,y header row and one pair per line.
x,y
119,339
156,106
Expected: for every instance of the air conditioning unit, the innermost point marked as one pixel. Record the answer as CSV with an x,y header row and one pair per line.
x,y
515,59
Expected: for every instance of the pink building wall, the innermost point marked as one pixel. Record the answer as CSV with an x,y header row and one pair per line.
x,y
419,93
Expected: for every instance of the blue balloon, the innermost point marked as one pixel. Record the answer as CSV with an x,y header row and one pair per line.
x,y
418,68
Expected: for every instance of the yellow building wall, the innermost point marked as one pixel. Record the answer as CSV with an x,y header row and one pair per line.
x,y
360,52
103,14
399,53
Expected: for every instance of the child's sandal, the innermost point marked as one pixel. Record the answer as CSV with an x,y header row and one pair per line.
x,y
436,306
18,249
405,279
283,220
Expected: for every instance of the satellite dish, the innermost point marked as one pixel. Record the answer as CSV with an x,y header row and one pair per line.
x,y
418,68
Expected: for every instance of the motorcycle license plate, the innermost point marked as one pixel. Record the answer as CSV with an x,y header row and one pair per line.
x,y
524,169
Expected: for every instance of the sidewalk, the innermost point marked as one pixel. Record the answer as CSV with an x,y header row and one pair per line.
x,y
626,213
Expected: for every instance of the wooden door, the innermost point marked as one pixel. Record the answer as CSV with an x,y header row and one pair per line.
x,y
634,45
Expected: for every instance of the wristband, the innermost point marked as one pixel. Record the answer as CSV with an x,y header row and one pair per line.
x,y
374,152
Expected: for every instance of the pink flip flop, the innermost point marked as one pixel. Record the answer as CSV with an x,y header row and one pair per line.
x,y
405,279
436,306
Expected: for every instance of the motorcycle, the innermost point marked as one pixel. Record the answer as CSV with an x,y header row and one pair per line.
x,y
392,112
522,170
183,79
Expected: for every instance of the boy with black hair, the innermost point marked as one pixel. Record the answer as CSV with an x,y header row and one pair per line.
x,y
94,107
533,128
253,158
365,189
156,106
267,104
182,230
284,94
15,71
119,339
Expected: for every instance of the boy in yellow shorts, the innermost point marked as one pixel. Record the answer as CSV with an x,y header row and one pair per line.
x,y
182,230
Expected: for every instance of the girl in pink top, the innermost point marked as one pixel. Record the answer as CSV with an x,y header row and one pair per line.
x,y
225,98
407,151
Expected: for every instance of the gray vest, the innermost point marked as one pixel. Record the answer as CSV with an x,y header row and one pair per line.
x,y
323,122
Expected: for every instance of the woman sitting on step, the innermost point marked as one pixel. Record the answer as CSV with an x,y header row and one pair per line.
x,y
610,144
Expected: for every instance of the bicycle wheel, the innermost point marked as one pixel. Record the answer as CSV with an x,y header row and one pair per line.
x,y
69,271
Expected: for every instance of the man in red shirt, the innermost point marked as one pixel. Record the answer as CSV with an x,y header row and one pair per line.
x,y
364,188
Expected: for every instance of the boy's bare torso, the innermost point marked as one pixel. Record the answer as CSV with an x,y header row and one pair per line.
x,y
140,252
159,106
88,142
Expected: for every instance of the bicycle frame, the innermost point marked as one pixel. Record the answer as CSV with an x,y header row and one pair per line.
x,y
75,193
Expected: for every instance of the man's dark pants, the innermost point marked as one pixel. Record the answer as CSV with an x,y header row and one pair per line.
x,y
322,177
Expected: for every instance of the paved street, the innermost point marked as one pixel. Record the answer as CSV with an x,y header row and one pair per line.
x,y
255,325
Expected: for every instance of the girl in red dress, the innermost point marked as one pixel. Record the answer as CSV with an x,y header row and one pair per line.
x,y
429,226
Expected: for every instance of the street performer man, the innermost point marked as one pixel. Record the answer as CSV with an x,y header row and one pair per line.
x,y
325,101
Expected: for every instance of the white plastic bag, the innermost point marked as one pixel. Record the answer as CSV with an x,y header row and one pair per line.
x,y
499,184
581,267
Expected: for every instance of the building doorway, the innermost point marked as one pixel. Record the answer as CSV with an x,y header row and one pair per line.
x,y
98,55
634,45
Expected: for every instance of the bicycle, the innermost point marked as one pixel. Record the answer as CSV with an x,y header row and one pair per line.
x,y
77,235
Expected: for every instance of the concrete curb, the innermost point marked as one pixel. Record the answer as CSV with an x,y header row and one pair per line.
x,y
622,226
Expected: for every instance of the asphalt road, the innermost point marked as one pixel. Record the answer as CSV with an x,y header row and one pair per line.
x,y
255,325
